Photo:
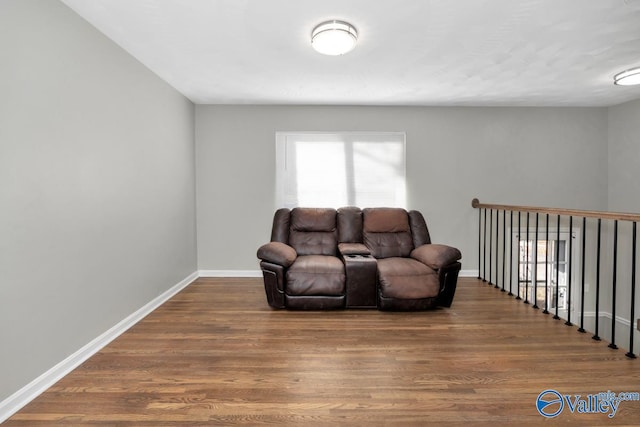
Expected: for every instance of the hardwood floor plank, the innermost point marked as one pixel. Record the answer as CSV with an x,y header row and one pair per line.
x,y
216,354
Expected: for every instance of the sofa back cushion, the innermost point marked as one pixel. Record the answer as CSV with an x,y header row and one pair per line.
x,y
386,232
349,225
313,231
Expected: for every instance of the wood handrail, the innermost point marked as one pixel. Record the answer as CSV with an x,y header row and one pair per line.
x,y
559,211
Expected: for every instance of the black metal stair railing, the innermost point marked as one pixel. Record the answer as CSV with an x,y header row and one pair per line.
x,y
493,240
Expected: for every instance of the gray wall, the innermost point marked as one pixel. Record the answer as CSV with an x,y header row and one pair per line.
x,y
536,156
97,188
623,196
624,157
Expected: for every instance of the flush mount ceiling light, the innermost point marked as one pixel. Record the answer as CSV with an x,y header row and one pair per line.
x,y
334,37
628,78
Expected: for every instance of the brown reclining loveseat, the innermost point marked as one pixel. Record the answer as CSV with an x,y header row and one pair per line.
x,y
323,258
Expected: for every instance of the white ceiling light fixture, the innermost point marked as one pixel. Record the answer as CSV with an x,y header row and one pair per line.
x,y
334,37
628,78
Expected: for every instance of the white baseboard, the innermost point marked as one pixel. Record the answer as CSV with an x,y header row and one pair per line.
x,y
26,394
607,315
230,273
468,273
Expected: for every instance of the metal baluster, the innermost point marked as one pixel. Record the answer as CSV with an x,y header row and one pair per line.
x,y
490,241
527,270
497,244
511,256
504,245
613,291
569,259
595,336
546,270
518,282
584,239
535,268
630,353
556,316
484,245
479,243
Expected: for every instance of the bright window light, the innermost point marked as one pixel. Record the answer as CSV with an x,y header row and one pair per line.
x,y
340,169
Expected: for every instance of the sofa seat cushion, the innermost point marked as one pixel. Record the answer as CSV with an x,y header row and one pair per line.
x,y
406,278
316,275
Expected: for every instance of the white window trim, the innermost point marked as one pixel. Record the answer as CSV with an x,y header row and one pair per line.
x,y
350,136
576,259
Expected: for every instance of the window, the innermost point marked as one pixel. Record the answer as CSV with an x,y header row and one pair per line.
x,y
340,169
534,264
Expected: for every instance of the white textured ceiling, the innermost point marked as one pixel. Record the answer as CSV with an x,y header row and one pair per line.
x,y
409,52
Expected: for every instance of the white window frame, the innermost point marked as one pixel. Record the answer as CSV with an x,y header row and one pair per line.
x,y
341,137
576,259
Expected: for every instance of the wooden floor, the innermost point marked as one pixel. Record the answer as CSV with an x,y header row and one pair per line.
x,y
216,354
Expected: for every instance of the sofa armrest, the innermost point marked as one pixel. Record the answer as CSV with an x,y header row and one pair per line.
x,y
448,277
277,253
353,249
436,256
